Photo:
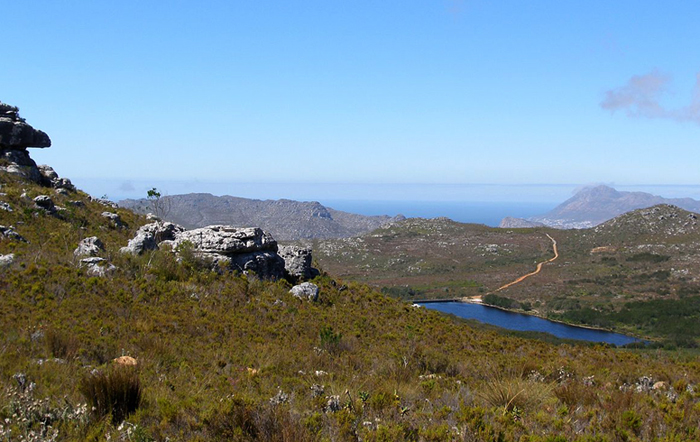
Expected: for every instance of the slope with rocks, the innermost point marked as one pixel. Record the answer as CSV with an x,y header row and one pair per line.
x,y
161,348
285,219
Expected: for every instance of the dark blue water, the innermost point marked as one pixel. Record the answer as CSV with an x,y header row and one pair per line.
x,y
487,213
517,321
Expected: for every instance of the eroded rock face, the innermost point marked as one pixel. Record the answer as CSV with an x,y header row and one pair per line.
x,y
297,261
149,236
249,249
15,133
15,137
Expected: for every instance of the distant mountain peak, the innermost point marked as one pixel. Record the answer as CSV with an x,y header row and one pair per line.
x,y
594,205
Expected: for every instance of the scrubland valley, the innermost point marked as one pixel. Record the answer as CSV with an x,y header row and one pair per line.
x,y
157,343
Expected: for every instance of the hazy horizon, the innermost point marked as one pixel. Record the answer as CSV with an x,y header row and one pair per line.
x,y
439,92
417,192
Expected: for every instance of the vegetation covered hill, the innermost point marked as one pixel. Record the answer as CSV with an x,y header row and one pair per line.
x,y
229,357
638,273
285,219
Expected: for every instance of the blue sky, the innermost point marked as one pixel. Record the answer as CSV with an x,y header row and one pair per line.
x,y
288,99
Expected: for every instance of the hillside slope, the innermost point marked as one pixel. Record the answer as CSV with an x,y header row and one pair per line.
x,y
225,357
159,347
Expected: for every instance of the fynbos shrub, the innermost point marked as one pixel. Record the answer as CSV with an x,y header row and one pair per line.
x,y
116,391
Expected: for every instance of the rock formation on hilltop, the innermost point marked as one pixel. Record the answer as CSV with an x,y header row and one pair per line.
x,y
15,137
16,134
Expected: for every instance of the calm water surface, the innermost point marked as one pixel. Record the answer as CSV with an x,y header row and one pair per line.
x,y
517,321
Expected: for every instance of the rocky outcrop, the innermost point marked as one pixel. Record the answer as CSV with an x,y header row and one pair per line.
x,y
148,236
15,133
114,218
91,246
249,249
15,137
44,202
9,233
297,262
96,266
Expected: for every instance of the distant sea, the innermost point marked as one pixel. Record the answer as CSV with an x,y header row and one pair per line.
x,y
487,213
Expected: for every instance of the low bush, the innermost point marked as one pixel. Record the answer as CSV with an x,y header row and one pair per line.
x,y
116,392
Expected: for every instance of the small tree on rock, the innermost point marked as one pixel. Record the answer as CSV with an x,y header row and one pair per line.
x,y
159,205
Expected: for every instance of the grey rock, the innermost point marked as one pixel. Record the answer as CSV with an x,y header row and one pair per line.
x,y
17,162
90,246
248,250
45,202
96,266
76,203
105,202
6,260
6,207
228,240
267,265
297,261
305,290
16,133
51,179
9,233
150,235
114,218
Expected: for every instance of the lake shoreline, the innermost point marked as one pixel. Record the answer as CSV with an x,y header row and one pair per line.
x,y
478,302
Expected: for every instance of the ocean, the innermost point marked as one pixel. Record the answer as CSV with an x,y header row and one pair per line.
x,y
489,213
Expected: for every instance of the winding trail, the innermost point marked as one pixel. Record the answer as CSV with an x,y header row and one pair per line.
x,y
539,267
522,278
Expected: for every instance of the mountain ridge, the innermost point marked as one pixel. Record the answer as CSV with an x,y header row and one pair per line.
x,y
285,219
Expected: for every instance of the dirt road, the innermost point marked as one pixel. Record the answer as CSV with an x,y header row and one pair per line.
x,y
477,299
539,267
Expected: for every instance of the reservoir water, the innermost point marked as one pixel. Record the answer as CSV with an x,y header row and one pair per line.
x,y
517,321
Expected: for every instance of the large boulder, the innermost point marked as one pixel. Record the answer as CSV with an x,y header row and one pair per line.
x,y
150,235
305,290
227,240
297,262
91,246
247,249
15,133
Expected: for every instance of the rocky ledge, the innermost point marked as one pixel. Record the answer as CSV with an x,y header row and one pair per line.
x,y
15,137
